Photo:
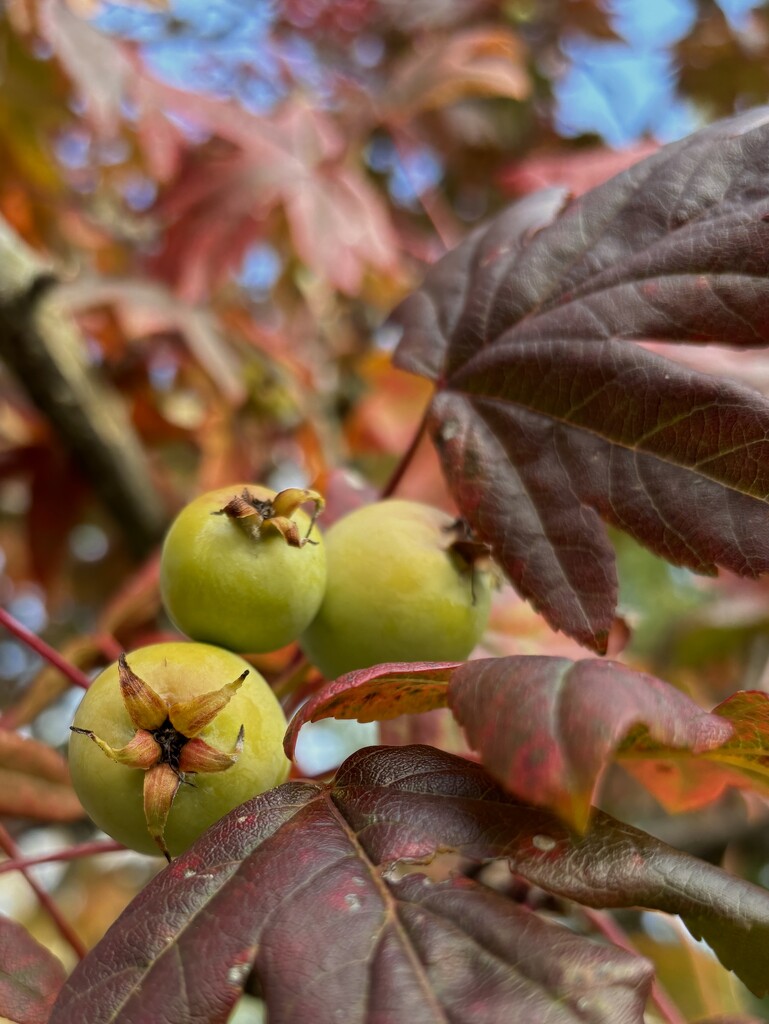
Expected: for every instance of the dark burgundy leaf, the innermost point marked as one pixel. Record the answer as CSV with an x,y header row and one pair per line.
x,y
30,976
298,896
184,947
292,882
376,694
547,728
445,802
487,958
549,418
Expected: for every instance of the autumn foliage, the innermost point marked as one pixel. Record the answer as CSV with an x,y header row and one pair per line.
x,y
347,246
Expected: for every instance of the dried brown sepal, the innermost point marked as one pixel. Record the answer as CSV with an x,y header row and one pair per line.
x,y
161,783
289,530
142,752
252,513
244,511
240,506
462,541
168,746
199,756
189,717
146,708
287,501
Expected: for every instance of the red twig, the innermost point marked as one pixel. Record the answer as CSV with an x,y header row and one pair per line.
x,y
44,650
608,927
400,470
71,853
65,929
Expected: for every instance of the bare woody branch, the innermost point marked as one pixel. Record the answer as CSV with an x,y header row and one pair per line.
x,y
43,348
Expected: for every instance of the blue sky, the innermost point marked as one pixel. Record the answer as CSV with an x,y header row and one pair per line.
x,y
621,90
626,89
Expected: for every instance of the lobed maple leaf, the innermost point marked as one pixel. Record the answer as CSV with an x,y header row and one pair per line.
x,y
548,416
302,877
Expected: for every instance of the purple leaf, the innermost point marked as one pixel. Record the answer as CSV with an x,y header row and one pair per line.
x,y
30,976
296,883
376,694
548,418
547,728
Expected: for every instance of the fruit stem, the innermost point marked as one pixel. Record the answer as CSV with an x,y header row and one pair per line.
x,y
400,470
65,929
40,647
296,673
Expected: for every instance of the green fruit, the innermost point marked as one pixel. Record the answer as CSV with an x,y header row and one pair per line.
x,y
110,782
231,576
396,591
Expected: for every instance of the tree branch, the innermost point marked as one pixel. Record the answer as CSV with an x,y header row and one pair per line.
x,y
44,350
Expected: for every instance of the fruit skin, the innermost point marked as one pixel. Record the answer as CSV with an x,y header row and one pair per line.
x,y
112,793
394,591
222,586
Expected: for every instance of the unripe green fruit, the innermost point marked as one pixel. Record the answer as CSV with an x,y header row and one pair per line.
x,y
226,581
395,591
113,793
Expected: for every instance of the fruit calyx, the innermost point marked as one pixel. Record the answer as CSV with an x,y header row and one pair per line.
x,y
166,744
474,554
252,513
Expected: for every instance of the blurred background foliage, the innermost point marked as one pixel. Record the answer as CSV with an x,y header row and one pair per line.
x,y
230,198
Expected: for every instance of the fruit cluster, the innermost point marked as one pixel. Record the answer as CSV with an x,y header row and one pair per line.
x,y
243,571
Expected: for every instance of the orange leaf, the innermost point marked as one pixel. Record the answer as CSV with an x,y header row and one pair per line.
x,y
480,62
34,781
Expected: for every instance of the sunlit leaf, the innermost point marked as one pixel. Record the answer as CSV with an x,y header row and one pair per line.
x,y
96,64
741,762
546,728
376,694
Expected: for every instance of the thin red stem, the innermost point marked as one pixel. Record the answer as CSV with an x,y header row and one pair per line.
x,y
65,929
71,853
44,650
608,927
400,470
